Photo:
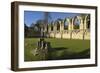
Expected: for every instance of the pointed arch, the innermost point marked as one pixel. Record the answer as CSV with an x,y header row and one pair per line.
x,y
76,22
65,24
88,21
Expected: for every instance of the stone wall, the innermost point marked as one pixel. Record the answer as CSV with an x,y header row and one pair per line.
x,y
75,34
83,32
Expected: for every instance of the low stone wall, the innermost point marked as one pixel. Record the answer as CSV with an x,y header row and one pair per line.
x,y
74,34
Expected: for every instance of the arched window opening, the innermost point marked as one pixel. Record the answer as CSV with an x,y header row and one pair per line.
x,y
65,25
76,23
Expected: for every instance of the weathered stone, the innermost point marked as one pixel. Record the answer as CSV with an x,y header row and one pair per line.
x,y
71,32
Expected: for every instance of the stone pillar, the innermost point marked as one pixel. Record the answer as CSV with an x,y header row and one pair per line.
x,y
72,24
60,25
65,25
69,24
61,28
85,22
45,28
55,29
49,28
81,26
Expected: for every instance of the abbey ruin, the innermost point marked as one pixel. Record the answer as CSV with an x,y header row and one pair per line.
x,y
58,29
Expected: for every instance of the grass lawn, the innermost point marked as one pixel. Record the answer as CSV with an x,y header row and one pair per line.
x,y
60,49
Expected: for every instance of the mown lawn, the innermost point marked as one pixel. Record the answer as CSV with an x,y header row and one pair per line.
x,y
59,49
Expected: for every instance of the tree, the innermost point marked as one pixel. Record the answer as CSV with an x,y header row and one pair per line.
x,y
41,24
26,28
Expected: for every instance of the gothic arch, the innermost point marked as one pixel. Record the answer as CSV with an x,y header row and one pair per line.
x,y
65,24
76,22
68,20
57,25
88,21
52,24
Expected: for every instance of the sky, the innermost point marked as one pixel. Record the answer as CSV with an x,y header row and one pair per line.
x,y
32,16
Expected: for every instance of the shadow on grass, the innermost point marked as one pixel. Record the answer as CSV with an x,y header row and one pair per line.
x,y
63,53
80,55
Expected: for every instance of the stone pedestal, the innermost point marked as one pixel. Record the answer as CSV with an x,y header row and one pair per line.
x,y
42,48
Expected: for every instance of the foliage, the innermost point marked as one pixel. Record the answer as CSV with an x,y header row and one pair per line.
x,y
26,30
76,26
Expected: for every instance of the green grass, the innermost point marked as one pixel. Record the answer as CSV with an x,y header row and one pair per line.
x,y
59,49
